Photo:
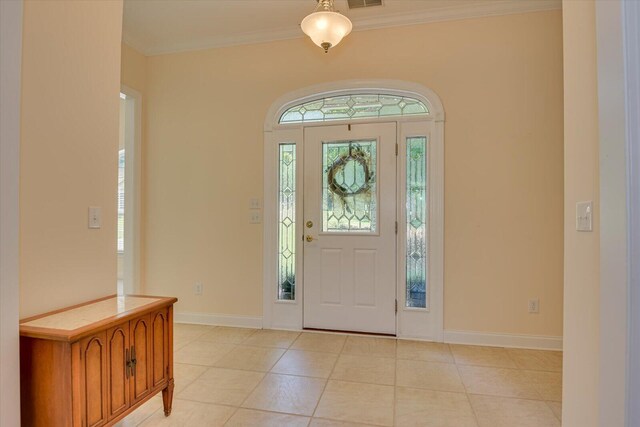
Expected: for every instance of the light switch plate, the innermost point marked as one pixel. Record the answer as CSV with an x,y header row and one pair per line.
x,y
584,216
254,203
197,288
95,217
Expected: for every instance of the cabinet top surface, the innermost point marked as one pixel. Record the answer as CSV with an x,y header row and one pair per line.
x,y
91,313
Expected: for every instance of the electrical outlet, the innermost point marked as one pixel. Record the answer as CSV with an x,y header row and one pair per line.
x,y
534,305
95,217
197,288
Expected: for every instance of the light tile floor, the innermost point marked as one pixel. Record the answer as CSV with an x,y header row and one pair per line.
x,y
246,377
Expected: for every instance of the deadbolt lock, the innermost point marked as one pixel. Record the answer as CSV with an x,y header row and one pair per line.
x,y
309,224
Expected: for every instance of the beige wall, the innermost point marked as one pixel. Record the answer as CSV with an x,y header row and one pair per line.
x,y
582,253
134,69
70,86
500,79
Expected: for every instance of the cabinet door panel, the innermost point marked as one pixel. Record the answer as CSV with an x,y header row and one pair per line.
x,y
159,347
93,354
118,381
140,336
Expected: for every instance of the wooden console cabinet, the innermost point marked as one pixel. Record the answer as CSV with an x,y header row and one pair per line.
x,y
90,365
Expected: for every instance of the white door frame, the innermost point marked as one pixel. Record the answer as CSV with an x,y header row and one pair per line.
x,y
10,78
278,314
618,43
631,43
132,192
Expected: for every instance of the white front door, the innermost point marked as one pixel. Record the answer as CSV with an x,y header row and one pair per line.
x,y
350,227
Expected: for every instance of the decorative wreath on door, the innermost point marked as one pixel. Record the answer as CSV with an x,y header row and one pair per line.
x,y
362,159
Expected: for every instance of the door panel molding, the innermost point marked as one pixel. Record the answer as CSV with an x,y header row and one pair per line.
x,y
118,383
94,379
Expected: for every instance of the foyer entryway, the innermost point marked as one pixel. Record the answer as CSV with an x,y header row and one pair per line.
x,y
353,210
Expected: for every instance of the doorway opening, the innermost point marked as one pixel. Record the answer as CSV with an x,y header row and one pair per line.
x,y
129,154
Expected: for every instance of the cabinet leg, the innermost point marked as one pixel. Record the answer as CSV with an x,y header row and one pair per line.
x,y
167,398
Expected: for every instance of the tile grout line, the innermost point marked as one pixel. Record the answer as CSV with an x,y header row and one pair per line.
x,y
265,374
324,418
266,411
186,385
466,394
193,339
342,353
237,408
515,368
144,419
235,411
374,357
395,386
512,398
208,368
344,343
559,418
235,345
227,405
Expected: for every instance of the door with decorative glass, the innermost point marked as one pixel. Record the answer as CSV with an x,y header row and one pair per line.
x,y
350,227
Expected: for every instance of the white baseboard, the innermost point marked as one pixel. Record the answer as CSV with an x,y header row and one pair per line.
x,y
537,342
218,320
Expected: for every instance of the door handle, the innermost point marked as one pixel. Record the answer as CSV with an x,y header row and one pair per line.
x,y
128,363
309,238
134,361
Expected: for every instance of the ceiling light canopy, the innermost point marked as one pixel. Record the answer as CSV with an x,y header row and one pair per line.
x,y
325,26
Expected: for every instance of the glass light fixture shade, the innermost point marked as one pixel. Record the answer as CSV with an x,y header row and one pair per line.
x,y
326,28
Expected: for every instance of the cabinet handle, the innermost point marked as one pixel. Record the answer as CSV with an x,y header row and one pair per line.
x,y
128,364
134,361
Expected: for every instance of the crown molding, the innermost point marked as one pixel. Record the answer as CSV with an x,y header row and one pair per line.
x,y
248,38
468,11
454,13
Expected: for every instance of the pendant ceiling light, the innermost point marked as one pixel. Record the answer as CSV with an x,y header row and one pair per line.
x,y
325,26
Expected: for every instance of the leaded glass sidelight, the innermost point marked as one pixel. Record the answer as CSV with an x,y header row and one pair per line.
x,y
349,193
287,222
347,107
417,221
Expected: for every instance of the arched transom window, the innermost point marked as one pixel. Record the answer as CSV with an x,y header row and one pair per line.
x,y
347,107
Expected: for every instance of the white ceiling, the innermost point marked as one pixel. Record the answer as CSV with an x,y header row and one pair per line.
x,y
162,26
